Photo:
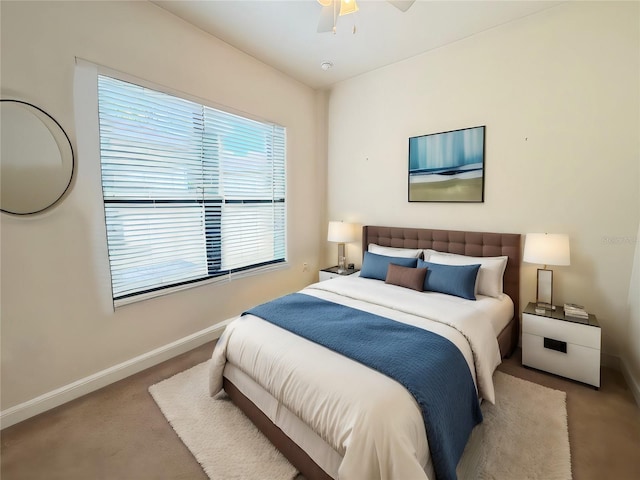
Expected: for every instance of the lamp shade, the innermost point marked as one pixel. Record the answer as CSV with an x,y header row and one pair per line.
x,y
341,232
547,248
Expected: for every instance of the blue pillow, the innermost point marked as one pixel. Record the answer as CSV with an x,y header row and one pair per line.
x,y
376,266
458,280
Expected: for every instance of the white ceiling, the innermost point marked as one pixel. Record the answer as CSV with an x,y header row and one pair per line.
x,y
283,33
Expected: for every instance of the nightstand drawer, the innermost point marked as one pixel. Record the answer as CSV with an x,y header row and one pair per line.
x,y
327,275
575,333
332,272
579,362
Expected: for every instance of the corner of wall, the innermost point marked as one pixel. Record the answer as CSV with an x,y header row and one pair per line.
x,y
630,360
632,382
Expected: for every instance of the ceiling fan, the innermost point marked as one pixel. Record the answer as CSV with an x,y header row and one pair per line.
x,y
332,9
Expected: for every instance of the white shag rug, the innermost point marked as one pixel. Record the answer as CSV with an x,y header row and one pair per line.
x,y
523,436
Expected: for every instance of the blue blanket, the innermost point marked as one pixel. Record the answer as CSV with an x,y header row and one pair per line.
x,y
429,366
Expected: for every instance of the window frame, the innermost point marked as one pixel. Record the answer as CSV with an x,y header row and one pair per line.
x,y
217,277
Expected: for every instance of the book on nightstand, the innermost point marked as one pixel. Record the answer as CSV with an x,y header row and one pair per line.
x,y
575,311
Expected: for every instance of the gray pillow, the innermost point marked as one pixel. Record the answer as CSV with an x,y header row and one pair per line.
x,y
407,277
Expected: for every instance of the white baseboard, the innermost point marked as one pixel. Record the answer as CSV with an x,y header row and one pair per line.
x,y
633,383
81,387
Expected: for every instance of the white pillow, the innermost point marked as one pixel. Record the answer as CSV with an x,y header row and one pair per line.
x,y
394,251
491,271
426,253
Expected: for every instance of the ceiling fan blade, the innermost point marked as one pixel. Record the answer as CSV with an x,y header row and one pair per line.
x,y
325,24
402,5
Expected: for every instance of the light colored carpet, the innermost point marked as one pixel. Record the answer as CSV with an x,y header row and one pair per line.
x,y
523,436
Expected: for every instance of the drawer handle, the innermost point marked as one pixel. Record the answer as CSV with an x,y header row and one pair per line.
x,y
556,345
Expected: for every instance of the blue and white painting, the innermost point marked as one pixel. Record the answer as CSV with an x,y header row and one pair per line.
x,y
447,167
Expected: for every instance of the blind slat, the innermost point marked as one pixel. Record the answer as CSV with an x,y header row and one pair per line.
x,y
180,184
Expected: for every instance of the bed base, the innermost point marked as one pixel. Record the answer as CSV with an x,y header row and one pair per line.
x,y
292,452
477,244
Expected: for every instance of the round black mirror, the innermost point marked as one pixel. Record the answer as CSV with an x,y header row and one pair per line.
x,y
36,161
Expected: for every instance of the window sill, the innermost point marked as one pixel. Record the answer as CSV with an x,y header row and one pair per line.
x,y
221,279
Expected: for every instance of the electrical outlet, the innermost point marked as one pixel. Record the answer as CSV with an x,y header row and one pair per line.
x,y
305,267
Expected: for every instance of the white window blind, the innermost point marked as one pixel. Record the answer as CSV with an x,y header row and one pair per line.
x,y
190,192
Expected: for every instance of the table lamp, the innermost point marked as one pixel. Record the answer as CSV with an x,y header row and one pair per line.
x,y
546,249
341,233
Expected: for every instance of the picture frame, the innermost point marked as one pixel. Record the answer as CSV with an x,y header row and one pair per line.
x,y
447,166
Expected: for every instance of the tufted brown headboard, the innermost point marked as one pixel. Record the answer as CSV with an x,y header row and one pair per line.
x,y
478,244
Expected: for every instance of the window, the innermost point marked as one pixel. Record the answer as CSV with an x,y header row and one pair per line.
x,y
190,192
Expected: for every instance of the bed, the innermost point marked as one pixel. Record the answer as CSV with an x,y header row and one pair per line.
x,y
328,424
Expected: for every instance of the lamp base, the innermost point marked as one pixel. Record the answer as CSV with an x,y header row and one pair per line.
x,y
544,289
342,259
545,306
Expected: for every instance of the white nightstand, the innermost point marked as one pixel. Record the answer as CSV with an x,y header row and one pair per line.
x,y
562,345
332,272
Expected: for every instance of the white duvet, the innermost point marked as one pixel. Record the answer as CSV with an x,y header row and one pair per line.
x,y
372,421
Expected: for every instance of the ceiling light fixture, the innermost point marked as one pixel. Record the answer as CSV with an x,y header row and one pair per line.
x,y
330,11
347,7
326,65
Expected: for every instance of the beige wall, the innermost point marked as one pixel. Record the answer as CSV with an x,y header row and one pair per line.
x,y
559,94
58,325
